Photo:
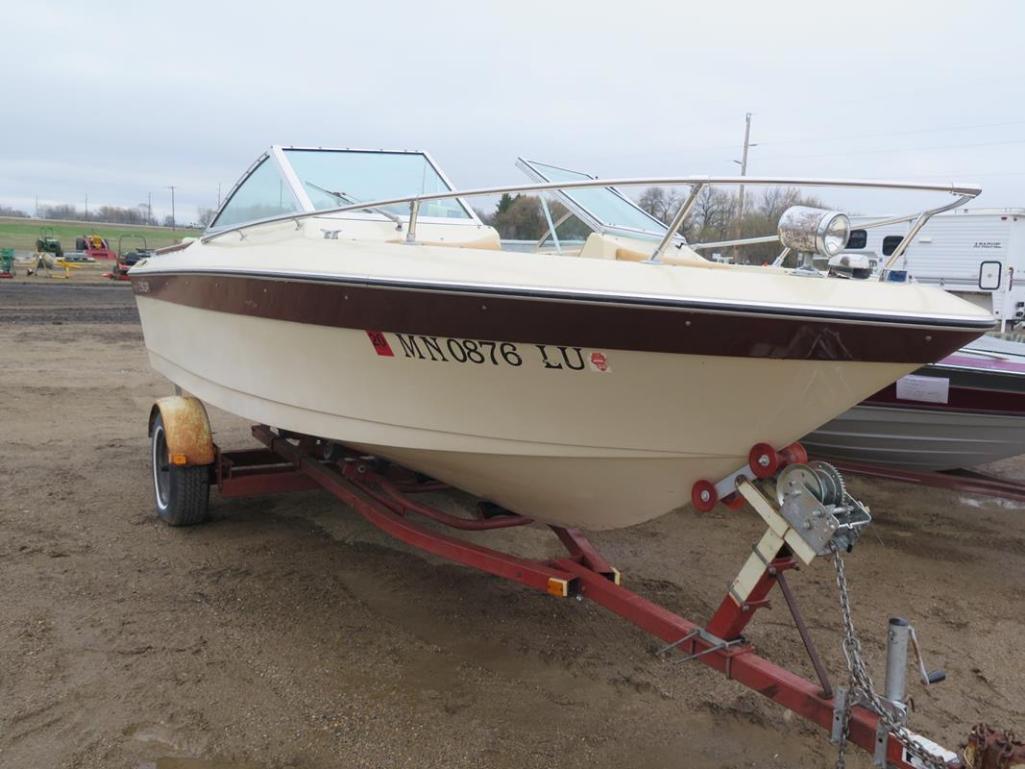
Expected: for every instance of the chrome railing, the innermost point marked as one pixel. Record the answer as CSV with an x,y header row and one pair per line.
x,y
920,219
964,193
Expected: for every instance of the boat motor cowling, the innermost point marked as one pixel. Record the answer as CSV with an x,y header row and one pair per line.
x,y
860,266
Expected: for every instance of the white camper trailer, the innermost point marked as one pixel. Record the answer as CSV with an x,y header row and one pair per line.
x,y
978,254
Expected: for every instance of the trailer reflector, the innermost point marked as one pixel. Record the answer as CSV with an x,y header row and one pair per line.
x,y
558,587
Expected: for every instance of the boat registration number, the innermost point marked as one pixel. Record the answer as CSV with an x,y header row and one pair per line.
x,y
486,352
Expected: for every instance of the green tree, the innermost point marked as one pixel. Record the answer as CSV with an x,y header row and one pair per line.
x,y
521,219
504,203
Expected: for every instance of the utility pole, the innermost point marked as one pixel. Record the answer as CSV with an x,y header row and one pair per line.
x,y
171,187
743,166
218,196
149,208
743,172
87,206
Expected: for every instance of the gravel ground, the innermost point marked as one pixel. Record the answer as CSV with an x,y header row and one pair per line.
x,y
289,633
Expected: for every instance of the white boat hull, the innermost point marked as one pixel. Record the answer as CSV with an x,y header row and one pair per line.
x,y
588,448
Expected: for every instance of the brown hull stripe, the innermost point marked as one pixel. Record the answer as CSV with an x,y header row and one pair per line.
x,y
537,319
976,401
992,392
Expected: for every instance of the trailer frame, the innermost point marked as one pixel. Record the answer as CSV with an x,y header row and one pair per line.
x,y
381,492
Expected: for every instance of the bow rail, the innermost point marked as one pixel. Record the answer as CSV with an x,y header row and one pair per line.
x,y
964,193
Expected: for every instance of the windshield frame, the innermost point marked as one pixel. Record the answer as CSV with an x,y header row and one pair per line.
x,y
659,228
277,155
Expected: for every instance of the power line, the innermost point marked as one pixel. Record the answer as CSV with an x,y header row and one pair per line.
x,y
815,140
964,175
910,132
897,149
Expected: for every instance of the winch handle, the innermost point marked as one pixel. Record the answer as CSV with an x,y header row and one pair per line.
x,y
928,677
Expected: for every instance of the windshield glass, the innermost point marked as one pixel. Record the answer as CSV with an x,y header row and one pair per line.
x,y
606,204
264,193
335,178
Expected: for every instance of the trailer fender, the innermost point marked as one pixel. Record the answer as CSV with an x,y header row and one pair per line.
x,y
187,430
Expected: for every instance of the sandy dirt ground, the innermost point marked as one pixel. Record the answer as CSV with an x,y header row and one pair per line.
x,y
289,633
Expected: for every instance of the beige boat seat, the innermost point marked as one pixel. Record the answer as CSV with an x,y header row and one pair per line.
x,y
599,246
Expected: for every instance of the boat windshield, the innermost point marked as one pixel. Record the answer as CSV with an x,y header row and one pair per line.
x,y
603,208
334,178
263,193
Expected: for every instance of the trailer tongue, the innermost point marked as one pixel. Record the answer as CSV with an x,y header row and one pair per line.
x,y
808,515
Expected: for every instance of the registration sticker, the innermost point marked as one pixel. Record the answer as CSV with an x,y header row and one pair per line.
x,y
380,343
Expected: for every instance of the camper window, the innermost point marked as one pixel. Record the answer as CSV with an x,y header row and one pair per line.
x,y
890,243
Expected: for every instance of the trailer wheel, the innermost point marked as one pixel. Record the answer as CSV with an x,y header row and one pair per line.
x,y
181,494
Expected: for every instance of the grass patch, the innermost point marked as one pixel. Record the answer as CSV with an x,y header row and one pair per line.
x,y
21,234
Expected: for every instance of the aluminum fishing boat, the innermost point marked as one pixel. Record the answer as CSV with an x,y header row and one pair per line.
x,y
355,296
966,410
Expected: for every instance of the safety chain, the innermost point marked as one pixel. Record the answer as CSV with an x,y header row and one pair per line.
x,y
863,692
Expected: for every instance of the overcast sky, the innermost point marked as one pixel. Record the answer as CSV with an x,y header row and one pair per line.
x,y
120,99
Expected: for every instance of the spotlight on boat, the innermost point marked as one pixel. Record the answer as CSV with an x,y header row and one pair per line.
x,y
814,230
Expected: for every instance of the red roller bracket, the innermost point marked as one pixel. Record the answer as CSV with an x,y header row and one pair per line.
x,y
763,460
794,454
703,496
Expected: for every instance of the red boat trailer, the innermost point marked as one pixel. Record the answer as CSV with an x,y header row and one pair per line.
x,y
117,273
381,493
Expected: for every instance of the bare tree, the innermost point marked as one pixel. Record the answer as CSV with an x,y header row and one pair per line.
x,y
138,214
62,211
776,200
711,216
660,203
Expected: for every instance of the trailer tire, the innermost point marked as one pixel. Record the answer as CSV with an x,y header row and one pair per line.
x,y
181,494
